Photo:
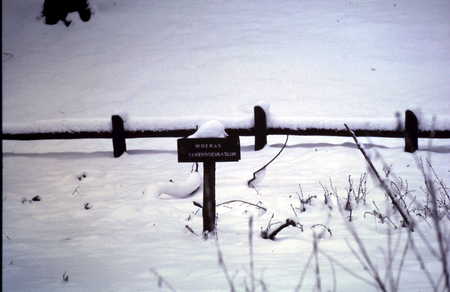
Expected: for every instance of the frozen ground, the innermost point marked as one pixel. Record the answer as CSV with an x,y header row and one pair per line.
x,y
216,58
112,246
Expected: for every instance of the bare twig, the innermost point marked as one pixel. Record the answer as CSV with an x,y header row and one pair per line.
x,y
190,230
377,214
293,210
421,262
348,270
308,200
333,273
406,220
400,266
194,167
245,202
302,275
323,226
317,267
75,191
440,181
348,204
437,226
224,267
363,256
197,204
252,264
326,195
161,281
304,201
250,183
365,260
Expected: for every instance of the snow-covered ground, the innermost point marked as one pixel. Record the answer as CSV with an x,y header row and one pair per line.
x,y
103,221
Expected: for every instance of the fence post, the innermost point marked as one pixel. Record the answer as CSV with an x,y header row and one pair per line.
x,y
118,136
260,128
411,132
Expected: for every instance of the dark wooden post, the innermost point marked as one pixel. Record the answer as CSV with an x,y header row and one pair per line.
x,y
209,197
260,128
118,136
411,132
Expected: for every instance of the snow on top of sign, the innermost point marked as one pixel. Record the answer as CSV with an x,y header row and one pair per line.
x,y
210,129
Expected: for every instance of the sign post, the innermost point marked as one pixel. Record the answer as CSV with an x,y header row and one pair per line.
x,y
209,151
209,196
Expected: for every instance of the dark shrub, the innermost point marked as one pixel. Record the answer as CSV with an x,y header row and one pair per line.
x,y
55,10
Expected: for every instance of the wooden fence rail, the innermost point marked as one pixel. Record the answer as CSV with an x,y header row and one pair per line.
x,y
260,130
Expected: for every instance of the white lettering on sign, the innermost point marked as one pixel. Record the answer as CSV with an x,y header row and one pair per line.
x,y
212,154
213,149
208,146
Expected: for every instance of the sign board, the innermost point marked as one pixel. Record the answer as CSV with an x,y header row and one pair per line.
x,y
209,149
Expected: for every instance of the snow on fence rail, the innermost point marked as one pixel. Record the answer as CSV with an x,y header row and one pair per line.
x,y
260,125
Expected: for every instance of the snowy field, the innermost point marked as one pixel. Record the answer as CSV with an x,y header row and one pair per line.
x,y
100,223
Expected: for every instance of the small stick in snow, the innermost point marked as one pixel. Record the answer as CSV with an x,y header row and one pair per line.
x,y
65,277
161,281
190,229
197,204
289,222
241,201
75,191
36,198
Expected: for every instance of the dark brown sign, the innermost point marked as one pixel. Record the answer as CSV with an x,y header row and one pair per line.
x,y
209,149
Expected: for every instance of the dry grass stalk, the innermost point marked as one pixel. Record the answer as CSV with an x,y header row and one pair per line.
x,y
224,267
406,219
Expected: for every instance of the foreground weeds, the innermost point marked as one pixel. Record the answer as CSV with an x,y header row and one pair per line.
x,y
415,226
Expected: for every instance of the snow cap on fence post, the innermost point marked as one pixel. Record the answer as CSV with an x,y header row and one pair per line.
x,y
260,127
118,135
411,132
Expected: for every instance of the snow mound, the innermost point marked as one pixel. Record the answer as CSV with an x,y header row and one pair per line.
x,y
181,190
210,129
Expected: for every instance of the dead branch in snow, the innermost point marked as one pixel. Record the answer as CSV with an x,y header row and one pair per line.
x,y
251,182
197,204
271,235
161,281
406,220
